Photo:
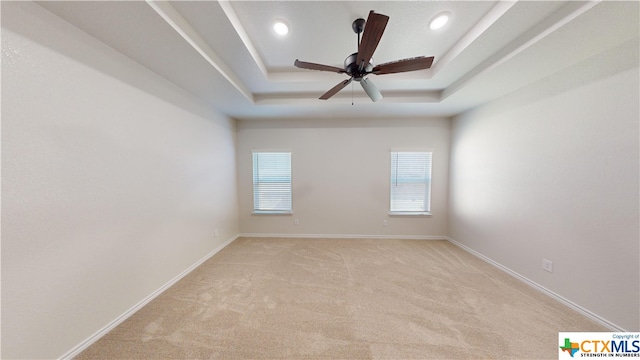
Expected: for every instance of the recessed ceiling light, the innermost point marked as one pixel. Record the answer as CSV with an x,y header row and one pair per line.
x,y
280,27
439,20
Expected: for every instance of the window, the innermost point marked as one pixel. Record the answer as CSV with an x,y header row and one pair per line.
x,y
410,183
271,182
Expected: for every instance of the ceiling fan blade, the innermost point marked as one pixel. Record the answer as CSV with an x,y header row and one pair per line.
x,y
412,64
371,90
373,31
313,66
334,90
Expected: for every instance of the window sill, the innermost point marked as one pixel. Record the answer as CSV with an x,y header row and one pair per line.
x,y
410,213
270,212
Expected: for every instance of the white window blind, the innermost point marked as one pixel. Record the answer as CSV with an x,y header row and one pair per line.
x,y
410,182
271,182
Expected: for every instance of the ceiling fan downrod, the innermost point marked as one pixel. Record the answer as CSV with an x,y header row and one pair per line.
x,y
358,28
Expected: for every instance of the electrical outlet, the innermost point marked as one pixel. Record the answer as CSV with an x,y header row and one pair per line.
x,y
296,222
385,223
215,233
547,265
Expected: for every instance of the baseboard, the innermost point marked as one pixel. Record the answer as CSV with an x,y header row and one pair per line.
x,y
343,236
95,337
553,295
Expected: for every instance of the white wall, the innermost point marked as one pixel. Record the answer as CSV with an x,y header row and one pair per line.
x,y
340,171
113,182
552,172
108,190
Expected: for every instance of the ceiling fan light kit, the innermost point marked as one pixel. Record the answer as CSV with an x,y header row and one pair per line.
x,y
371,90
360,64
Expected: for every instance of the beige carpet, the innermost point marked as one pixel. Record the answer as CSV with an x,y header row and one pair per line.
x,y
344,299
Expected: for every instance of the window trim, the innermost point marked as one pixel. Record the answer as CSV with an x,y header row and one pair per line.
x,y
255,211
272,212
411,213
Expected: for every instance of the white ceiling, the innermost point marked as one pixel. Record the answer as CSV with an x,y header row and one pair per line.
x,y
226,54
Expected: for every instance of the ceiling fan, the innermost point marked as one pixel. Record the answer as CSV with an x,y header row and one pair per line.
x,y
358,65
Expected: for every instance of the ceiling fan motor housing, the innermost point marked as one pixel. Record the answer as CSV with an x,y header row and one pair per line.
x,y
352,68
